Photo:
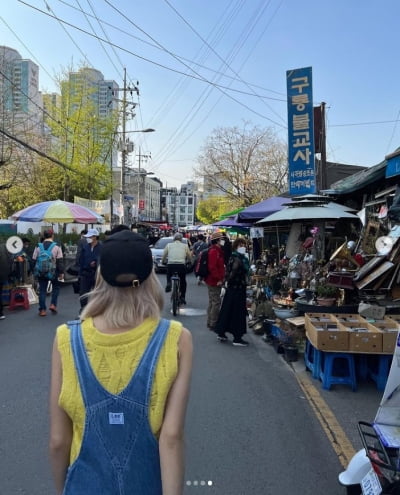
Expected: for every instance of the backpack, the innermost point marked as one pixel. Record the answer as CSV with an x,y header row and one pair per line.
x,y
201,268
45,266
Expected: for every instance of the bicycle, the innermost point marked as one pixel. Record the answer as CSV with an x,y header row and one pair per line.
x,y
175,293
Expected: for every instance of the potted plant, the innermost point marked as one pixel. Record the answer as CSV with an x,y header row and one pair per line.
x,y
326,295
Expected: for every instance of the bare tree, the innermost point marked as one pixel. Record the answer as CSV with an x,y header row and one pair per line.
x,y
246,165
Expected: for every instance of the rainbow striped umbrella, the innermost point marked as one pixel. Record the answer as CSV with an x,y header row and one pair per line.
x,y
57,211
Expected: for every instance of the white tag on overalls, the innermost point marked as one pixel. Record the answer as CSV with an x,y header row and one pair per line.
x,y
116,418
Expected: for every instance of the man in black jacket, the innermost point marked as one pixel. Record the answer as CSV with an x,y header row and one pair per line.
x,y
88,262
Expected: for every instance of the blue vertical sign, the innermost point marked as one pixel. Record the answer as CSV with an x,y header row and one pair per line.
x,y
301,159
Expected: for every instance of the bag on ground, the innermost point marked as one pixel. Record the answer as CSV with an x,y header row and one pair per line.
x,y
45,266
201,268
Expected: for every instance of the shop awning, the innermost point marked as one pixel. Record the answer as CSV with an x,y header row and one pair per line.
x,y
359,180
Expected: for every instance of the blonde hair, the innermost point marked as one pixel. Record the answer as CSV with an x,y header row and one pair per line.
x,y
125,306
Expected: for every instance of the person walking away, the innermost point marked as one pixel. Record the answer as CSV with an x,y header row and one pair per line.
x,y
117,412
81,242
215,278
232,317
5,270
175,256
49,267
88,262
197,248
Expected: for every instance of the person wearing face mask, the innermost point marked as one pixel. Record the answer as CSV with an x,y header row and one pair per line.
x,y
215,278
88,261
233,312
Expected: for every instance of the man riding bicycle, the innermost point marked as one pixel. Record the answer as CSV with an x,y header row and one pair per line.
x,y
175,256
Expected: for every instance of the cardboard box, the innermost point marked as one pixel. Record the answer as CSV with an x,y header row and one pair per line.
x,y
363,337
324,333
350,318
389,331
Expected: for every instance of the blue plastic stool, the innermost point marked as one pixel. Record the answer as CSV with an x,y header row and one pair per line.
x,y
332,373
312,359
362,366
378,369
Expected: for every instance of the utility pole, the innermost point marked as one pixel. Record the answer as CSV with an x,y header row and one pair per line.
x,y
123,153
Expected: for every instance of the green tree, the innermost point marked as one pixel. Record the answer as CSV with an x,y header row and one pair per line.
x,y
209,210
246,165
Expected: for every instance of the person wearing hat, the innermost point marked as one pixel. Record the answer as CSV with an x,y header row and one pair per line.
x,y
118,411
58,259
88,261
215,278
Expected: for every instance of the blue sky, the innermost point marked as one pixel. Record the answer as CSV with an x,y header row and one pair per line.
x,y
241,45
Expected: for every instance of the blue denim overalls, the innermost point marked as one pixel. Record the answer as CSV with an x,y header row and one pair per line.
x,y
119,453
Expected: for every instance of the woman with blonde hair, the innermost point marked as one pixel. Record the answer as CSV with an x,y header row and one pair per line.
x,y
120,383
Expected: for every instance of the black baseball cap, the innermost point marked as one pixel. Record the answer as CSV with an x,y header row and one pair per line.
x,y
125,259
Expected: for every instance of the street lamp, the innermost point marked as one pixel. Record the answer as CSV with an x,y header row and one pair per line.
x,y
124,151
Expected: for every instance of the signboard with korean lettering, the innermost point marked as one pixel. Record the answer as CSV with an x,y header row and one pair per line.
x,y
141,204
302,177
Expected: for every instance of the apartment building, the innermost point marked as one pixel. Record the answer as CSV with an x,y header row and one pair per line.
x,y
19,89
178,208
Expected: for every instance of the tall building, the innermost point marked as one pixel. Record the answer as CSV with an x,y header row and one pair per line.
x,y
179,208
21,99
99,90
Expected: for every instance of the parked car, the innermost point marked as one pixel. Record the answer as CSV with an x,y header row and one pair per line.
x,y
157,252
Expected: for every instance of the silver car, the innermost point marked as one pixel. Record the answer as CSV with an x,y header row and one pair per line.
x,y
157,252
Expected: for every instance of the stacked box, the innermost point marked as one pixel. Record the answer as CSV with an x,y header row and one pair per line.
x,y
390,328
324,333
363,337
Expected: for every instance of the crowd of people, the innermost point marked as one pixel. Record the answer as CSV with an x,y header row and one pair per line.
x,y
120,371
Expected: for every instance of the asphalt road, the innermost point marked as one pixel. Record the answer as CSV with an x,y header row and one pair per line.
x,y
250,428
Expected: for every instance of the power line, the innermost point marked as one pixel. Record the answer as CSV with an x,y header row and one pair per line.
x,y
197,77
365,123
32,101
41,153
117,28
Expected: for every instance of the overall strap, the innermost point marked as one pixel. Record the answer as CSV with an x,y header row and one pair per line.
x,y
140,384
91,389
142,380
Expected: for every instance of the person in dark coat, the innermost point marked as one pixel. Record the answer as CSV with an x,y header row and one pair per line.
x,y
88,262
233,312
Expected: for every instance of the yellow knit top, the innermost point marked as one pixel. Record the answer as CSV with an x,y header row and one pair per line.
x,y
114,358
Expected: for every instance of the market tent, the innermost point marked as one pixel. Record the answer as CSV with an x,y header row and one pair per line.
x,y
231,222
230,213
262,209
320,212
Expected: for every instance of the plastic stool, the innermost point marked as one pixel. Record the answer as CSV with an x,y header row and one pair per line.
x,y
332,373
19,298
312,359
361,361
378,369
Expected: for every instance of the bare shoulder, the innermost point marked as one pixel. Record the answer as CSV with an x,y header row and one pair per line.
x,y
185,341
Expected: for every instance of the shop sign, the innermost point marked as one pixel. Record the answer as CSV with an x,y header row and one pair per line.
x,y
393,166
300,131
